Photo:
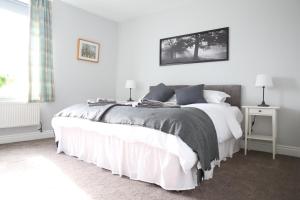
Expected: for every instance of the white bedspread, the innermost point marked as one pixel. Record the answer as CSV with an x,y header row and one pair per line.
x,y
130,134
226,118
79,137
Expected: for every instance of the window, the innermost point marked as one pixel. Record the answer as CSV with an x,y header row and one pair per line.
x,y
14,41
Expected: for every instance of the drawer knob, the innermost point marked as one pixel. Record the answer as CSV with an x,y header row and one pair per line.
x,y
259,110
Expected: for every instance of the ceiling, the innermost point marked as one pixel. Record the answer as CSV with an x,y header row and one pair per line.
x,y
122,10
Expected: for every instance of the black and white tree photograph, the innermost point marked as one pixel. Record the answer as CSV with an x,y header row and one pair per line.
x,y
204,46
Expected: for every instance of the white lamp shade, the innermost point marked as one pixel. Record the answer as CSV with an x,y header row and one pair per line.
x,y
263,80
130,84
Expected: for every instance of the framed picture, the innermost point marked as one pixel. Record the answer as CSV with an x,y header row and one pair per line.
x,y
88,50
206,46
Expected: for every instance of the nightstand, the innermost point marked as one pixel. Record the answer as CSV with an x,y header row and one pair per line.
x,y
260,111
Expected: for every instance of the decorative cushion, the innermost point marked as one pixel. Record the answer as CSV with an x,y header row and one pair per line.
x,y
190,95
161,92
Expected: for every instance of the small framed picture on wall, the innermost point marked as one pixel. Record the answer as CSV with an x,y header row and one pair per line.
x,y
88,50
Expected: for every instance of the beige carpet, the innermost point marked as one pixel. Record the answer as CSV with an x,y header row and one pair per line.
x,y
32,170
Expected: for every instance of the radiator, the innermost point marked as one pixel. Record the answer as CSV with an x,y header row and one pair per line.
x,y
19,114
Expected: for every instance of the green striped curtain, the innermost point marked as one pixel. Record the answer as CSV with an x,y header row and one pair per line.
x,y
41,86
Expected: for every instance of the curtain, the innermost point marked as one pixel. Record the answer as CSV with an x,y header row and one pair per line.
x,y
41,86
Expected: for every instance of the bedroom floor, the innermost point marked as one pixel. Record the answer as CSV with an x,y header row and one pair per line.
x,y
32,170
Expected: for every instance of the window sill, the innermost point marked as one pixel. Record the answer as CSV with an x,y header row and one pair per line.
x,y
11,100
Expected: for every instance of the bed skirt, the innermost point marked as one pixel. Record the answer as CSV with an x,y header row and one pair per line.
x,y
136,160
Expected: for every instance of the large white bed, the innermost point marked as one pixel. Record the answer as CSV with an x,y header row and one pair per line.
x,y
146,154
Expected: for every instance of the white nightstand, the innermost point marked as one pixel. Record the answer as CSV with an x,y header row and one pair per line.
x,y
260,111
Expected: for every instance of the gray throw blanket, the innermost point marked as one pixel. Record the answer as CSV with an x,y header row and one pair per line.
x,y
192,125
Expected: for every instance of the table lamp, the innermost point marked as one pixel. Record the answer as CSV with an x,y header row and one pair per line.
x,y
264,81
130,84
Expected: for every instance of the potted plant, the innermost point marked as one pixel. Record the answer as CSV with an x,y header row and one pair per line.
x,y
2,80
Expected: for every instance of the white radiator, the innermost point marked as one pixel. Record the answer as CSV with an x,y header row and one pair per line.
x,y
19,114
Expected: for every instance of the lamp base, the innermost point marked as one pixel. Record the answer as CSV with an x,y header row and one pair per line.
x,y
130,99
263,105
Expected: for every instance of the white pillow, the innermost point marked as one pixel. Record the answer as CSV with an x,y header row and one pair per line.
x,y
213,96
172,99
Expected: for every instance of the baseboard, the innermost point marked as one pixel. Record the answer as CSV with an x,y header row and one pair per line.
x,y
20,137
267,147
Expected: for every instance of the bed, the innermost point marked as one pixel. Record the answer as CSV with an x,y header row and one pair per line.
x,y
150,155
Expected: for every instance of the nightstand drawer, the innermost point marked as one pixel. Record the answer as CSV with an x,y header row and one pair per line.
x,y
258,111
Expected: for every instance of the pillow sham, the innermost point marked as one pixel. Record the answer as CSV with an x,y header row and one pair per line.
x,y
212,96
190,95
161,92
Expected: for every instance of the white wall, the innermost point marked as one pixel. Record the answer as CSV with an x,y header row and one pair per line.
x,y
76,81
264,38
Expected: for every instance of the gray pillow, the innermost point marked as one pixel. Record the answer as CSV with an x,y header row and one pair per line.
x,y
161,92
190,95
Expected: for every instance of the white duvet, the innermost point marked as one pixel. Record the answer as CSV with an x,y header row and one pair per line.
x,y
226,120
